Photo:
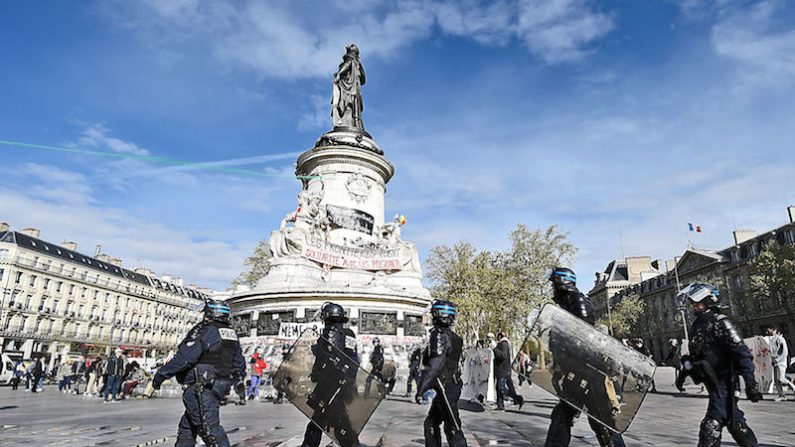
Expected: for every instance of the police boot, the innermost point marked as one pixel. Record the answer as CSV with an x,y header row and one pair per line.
x,y
742,434
605,436
562,418
710,433
433,435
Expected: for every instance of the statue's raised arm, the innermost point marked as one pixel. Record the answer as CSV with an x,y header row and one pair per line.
x,y
346,100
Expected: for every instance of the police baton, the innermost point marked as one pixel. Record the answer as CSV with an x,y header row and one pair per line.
x,y
449,407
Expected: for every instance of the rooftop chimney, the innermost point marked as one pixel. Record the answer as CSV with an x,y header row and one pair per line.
x,y
145,271
32,232
69,245
741,236
116,262
104,258
4,226
790,211
670,264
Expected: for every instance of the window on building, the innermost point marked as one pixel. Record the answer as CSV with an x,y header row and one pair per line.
x,y
18,278
2,272
32,282
46,283
3,254
58,286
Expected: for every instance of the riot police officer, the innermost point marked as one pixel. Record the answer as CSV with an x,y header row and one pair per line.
x,y
377,363
209,361
441,373
567,296
335,375
718,356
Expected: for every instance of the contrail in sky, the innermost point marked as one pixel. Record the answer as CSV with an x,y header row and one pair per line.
x,y
221,165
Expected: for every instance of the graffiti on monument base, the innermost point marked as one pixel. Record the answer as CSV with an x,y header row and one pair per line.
x,y
292,331
351,259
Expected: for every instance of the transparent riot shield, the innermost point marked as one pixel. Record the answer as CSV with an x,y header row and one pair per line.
x,y
328,387
588,369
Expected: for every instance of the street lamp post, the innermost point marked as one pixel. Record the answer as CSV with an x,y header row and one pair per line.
x,y
682,307
609,315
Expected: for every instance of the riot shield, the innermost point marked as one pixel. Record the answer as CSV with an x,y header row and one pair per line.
x,y
588,369
328,387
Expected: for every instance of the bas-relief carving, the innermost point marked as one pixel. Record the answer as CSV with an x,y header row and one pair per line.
x,y
311,222
358,187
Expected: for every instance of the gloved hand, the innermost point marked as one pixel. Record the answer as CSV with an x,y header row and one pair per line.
x,y
753,393
157,381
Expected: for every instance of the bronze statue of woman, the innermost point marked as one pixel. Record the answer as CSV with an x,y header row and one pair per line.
x,y
346,100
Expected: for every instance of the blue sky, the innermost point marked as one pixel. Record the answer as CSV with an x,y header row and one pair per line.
x,y
606,118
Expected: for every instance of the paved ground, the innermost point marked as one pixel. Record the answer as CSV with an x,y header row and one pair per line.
x,y
55,419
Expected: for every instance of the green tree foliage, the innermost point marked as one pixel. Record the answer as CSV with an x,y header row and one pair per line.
x,y
772,275
625,316
496,290
259,264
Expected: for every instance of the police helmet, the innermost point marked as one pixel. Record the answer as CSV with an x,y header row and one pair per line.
x,y
376,340
217,310
443,312
333,313
701,293
563,278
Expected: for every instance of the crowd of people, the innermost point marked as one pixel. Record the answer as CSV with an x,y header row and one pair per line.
x,y
112,378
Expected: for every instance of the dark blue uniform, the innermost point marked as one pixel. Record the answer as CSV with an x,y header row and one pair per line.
x,y
559,434
209,361
442,374
719,357
334,375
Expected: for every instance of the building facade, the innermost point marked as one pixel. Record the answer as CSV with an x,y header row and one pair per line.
x,y
666,318
57,300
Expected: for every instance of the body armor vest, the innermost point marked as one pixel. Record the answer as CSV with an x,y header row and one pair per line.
x,y
222,355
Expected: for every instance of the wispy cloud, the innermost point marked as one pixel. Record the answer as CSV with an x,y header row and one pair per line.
x,y
279,40
97,136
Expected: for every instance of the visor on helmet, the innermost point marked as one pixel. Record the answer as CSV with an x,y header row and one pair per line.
x,y
698,292
443,309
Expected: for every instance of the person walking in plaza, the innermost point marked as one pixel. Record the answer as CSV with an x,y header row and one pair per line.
x,y
569,298
63,373
37,373
523,364
442,373
115,371
207,363
673,357
94,370
19,371
719,358
503,358
779,352
258,366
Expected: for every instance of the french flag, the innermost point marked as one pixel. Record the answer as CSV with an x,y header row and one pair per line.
x,y
696,228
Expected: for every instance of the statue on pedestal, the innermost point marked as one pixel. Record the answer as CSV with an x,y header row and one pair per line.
x,y
346,99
